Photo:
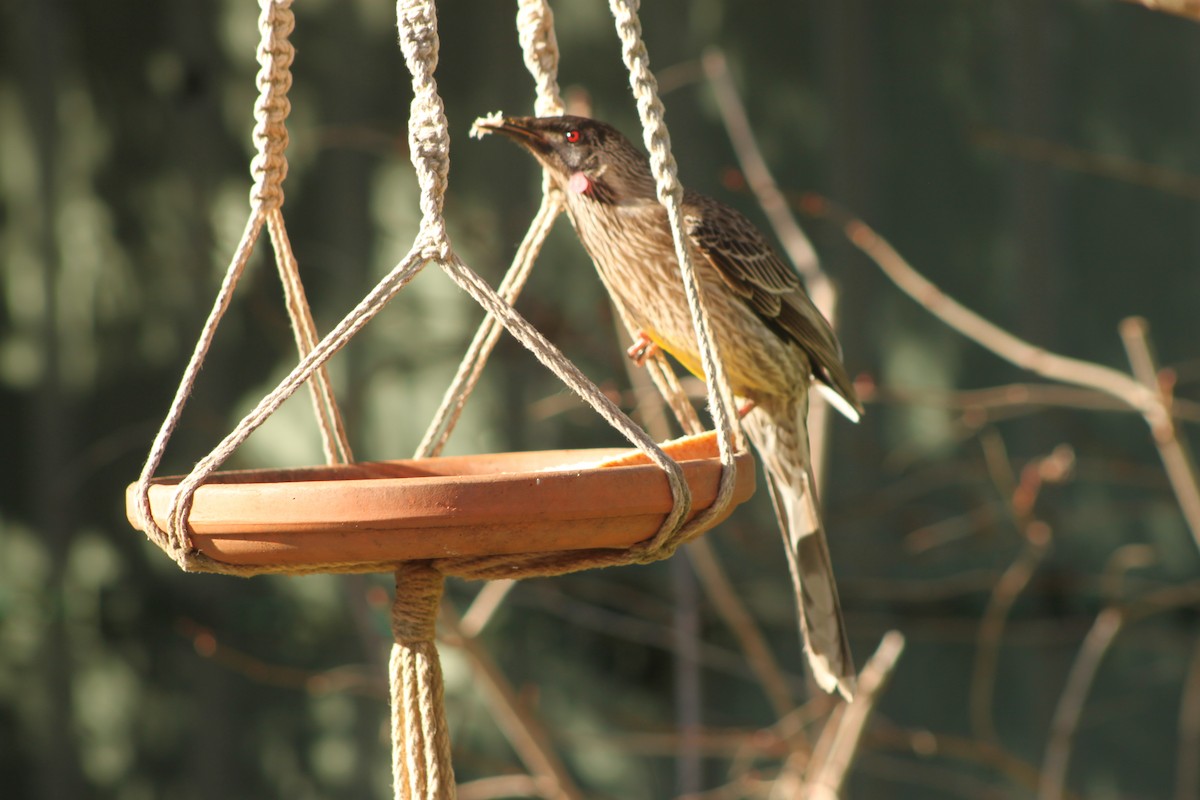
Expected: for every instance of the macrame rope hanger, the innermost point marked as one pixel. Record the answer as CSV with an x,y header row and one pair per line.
x,y
269,169
422,766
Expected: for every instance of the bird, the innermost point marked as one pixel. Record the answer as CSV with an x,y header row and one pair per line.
x,y
773,341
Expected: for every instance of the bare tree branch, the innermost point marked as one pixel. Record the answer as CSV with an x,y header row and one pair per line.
x,y
795,243
1021,496
1187,767
1103,165
741,624
484,607
1018,397
988,335
928,744
501,786
826,783
1070,705
520,728
1144,395
991,627
733,113
1176,455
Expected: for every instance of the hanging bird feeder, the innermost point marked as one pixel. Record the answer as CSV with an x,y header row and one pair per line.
x,y
505,515
351,516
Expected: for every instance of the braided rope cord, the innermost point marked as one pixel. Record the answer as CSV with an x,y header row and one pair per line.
x,y
670,194
535,30
268,168
421,765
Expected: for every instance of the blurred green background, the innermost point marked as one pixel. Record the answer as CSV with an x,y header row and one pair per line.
x,y
1035,158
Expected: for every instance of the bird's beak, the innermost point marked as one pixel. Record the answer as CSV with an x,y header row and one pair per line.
x,y
520,129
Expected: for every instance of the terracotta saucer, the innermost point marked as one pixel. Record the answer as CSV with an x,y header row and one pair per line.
x,y
500,503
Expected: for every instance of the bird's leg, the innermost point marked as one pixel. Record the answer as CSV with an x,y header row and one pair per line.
x,y
746,409
642,350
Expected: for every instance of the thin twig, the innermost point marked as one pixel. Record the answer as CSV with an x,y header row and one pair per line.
x,y
499,787
789,782
790,731
1018,397
987,334
520,728
928,744
685,633
484,607
795,243
991,627
951,529
1000,468
718,743
1176,456
1020,497
1070,705
847,735
1144,395
1162,600
741,623
1112,581
350,679
1187,766
733,114
1104,165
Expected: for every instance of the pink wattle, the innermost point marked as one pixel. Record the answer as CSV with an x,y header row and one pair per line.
x,y
579,183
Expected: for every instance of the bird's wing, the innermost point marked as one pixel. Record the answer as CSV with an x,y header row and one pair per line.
x,y
755,272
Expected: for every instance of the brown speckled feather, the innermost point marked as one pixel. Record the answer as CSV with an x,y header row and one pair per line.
x,y
753,270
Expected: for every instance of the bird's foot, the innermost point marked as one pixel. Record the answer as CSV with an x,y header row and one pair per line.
x,y
642,350
746,409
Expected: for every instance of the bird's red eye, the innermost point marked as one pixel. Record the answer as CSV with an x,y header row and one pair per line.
x,y
571,136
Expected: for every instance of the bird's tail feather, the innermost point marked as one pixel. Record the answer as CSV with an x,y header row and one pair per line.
x,y
782,441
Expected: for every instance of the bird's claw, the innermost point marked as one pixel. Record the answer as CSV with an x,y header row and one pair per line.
x,y
642,350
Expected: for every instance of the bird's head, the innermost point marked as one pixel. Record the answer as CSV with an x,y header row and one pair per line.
x,y
583,156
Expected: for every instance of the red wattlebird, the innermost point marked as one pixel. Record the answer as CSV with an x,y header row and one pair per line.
x,y
772,340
